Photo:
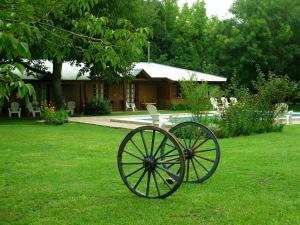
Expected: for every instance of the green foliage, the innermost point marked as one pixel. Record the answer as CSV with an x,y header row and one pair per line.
x,y
274,89
215,91
11,82
54,117
264,33
246,119
197,96
236,89
179,35
69,30
178,107
256,113
98,107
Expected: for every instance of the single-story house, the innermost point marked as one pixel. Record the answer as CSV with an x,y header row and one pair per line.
x,y
152,83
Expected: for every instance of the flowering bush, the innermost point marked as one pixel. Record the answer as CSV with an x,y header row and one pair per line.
x,y
52,115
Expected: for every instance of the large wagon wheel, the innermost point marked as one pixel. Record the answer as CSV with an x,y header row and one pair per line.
x,y
143,157
201,149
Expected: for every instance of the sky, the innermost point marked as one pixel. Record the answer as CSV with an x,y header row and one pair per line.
x,y
214,7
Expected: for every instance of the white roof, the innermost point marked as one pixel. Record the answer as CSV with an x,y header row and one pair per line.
x,y
69,72
155,70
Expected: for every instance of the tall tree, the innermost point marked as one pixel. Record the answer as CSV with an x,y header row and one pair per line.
x,y
262,34
70,31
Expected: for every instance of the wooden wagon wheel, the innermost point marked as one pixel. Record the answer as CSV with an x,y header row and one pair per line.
x,y
143,158
201,149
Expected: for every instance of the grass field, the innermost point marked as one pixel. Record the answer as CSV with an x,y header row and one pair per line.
x,y
68,175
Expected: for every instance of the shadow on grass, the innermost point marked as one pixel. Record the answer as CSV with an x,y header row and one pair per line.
x,y
19,121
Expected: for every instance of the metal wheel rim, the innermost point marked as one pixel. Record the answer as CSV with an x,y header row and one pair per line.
x,y
196,163
156,173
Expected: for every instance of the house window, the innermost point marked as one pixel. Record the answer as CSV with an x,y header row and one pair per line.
x,y
130,92
178,91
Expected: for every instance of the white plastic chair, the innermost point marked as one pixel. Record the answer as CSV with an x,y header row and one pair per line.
x,y
33,110
282,113
214,104
224,102
233,100
133,107
14,109
130,106
71,107
156,118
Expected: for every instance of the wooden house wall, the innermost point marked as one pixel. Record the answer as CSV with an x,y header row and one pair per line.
x,y
161,92
147,93
164,95
115,95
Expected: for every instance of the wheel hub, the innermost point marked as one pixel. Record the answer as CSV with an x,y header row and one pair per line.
x,y
188,153
149,164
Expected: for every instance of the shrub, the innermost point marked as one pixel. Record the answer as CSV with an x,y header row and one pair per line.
x,y
52,116
256,113
197,96
178,107
98,107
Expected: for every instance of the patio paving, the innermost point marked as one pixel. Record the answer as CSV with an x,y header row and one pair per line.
x,y
105,121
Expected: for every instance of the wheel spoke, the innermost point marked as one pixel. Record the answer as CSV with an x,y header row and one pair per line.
x,y
205,150
152,143
190,141
164,180
201,157
140,179
169,160
167,171
178,171
172,156
188,170
198,137
160,145
138,148
183,133
134,172
163,155
148,183
144,142
131,163
172,164
196,172
168,163
133,155
156,184
194,148
197,161
172,146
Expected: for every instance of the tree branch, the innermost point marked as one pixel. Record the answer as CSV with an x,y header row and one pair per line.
x,y
33,69
71,32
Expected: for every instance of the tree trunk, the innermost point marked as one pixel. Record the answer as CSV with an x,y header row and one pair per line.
x,y
57,89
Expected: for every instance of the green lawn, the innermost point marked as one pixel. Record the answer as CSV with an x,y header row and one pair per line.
x,y
68,175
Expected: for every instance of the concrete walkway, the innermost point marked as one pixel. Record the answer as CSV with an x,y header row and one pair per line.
x,y
105,121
